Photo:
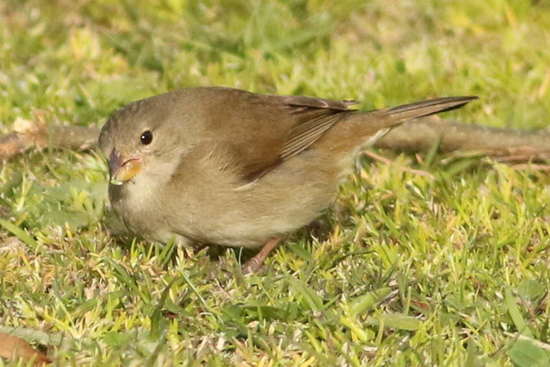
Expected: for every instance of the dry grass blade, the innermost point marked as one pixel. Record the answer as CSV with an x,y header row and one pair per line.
x,y
418,172
14,348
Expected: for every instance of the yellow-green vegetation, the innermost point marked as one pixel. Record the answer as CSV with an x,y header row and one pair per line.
x,y
409,270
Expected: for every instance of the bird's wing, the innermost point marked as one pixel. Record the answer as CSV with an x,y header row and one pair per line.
x,y
262,131
315,116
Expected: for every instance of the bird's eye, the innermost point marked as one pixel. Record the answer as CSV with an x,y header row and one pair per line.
x,y
146,138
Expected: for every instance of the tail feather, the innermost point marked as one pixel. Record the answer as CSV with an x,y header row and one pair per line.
x,y
364,128
426,108
376,124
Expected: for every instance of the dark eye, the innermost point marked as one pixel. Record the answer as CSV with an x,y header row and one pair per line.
x,y
146,138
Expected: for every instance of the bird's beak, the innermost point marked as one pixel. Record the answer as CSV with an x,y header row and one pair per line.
x,y
122,169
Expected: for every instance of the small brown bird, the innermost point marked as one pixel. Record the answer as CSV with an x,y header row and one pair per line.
x,y
233,168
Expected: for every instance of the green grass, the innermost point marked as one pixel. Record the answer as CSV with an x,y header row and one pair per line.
x,y
409,270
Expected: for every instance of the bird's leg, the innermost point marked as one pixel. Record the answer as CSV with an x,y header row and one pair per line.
x,y
254,264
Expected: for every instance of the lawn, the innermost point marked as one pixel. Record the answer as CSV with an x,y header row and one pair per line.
x,y
446,269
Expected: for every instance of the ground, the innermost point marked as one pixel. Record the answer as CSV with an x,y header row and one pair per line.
x,y
449,268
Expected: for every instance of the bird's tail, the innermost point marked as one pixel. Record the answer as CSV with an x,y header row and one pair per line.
x,y
424,108
364,128
378,122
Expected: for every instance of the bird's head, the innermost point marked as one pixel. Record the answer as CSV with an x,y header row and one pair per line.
x,y
140,138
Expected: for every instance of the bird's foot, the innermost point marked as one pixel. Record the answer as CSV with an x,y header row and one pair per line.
x,y
255,263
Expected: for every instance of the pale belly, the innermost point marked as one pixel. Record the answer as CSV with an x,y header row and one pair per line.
x,y
214,211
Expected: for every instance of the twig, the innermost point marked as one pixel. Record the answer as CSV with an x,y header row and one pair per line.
x,y
506,145
37,135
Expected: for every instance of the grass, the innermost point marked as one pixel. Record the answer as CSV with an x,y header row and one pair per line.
x,y
410,270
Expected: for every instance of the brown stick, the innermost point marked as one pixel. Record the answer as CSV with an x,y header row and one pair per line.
x,y
506,144
40,137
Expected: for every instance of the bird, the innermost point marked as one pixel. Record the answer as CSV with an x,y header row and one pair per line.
x,y
228,167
